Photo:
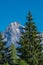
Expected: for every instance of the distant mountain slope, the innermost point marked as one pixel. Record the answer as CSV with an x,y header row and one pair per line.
x,y
13,32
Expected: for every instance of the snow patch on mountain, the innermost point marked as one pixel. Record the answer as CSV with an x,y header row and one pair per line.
x,y
13,32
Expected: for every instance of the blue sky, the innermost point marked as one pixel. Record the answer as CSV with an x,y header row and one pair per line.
x,y
16,10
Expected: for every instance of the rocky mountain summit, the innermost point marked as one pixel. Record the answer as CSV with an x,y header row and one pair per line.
x,y
13,32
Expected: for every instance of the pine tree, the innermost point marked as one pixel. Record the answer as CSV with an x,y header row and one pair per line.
x,y
2,51
13,53
41,57
30,48
5,53
8,55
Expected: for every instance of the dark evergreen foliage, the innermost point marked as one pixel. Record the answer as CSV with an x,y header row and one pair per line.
x,y
5,53
30,48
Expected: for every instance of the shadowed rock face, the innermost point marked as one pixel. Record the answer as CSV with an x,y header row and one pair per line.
x,y
13,32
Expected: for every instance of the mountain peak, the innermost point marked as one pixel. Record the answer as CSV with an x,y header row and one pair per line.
x,y
15,23
13,32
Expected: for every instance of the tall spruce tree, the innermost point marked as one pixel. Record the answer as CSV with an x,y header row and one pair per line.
x,y
30,48
5,53
13,53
